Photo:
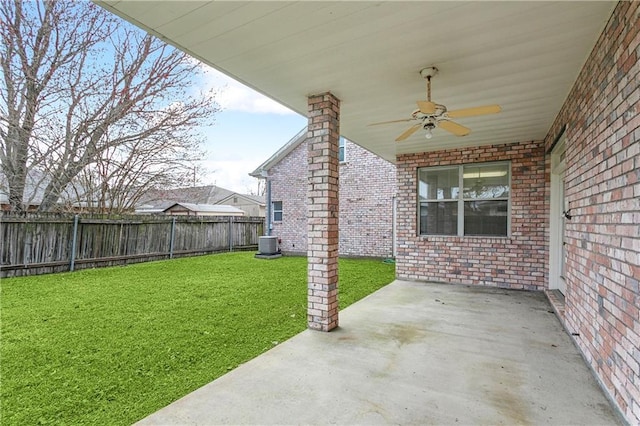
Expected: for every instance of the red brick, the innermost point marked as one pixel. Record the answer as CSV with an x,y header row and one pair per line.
x,y
601,117
437,257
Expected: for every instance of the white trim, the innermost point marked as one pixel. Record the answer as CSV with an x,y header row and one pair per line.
x,y
342,143
460,200
281,153
556,207
274,211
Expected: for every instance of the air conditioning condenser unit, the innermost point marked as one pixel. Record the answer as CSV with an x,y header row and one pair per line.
x,y
268,245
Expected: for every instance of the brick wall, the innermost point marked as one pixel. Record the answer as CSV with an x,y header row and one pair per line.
x,y
602,119
289,185
367,188
518,261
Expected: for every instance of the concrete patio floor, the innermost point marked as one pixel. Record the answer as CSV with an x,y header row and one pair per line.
x,y
413,353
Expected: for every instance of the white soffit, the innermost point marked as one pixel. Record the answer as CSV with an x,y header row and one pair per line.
x,y
524,56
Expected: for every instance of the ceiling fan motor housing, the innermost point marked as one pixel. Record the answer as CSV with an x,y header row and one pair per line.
x,y
428,72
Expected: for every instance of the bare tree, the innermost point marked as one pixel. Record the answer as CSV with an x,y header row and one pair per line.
x,y
260,189
116,182
88,100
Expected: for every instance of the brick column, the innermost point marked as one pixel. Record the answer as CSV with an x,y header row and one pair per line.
x,y
322,214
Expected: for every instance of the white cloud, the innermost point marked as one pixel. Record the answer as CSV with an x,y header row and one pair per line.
x,y
254,128
235,96
231,174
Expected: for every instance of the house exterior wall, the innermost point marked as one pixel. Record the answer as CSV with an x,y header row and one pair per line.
x,y
180,211
289,185
517,261
367,188
602,119
250,208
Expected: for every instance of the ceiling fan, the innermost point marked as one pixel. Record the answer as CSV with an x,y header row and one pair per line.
x,y
430,115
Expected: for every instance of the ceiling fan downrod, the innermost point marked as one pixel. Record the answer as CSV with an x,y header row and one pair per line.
x,y
427,73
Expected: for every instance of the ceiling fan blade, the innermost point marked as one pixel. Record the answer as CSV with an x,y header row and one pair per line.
x,y
411,130
470,112
392,121
453,127
426,107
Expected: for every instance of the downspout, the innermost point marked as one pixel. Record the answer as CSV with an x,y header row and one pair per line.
x,y
269,209
394,226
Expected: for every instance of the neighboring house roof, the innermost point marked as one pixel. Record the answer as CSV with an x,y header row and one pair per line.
x,y
209,194
293,143
257,199
159,205
207,208
161,199
35,185
149,209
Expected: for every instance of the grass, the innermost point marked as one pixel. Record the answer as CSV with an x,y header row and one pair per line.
x,y
110,346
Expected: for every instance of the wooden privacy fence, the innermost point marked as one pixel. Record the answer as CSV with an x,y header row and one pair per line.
x,y
38,244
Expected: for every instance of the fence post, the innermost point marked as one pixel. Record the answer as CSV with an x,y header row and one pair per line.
x,y
230,233
26,249
173,235
72,264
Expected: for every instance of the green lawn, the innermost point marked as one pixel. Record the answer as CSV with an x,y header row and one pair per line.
x,y
110,346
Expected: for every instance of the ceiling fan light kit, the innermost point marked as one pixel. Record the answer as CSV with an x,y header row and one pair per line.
x,y
428,129
431,114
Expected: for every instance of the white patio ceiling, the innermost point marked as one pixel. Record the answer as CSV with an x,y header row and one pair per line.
x,y
524,56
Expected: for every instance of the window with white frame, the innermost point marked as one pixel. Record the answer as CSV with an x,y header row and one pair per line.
x,y
342,150
469,199
276,207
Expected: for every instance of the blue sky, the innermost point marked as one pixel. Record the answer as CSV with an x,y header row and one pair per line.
x,y
247,132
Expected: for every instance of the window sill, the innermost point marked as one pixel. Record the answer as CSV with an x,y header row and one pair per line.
x,y
466,238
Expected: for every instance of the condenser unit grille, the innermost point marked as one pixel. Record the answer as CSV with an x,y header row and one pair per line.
x,y
268,245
